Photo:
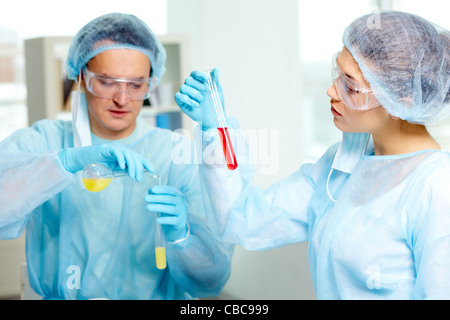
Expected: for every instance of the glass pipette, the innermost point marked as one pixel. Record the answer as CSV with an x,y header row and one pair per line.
x,y
221,122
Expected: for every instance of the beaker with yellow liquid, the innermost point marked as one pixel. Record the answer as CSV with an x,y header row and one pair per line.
x,y
96,177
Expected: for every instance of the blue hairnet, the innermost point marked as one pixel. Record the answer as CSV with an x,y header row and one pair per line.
x,y
124,31
406,60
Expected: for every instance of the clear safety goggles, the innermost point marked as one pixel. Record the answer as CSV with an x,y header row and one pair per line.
x,y
351,92
109,87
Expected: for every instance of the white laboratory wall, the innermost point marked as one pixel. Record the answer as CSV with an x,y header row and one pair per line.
x,y
255,44
321,25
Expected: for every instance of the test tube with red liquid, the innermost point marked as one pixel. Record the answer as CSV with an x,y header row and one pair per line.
x,y
221,122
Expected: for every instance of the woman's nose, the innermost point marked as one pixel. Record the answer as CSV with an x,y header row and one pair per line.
x,y
332,93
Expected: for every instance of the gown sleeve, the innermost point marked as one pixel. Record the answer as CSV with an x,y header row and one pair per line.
x,y
428,232
247,215
200,264
30,174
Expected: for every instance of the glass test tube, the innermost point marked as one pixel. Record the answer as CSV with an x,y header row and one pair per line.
x,y
160,246
221,122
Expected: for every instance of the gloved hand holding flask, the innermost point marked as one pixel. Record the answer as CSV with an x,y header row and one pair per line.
x,y
111,155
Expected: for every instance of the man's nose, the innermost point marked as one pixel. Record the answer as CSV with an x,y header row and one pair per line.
x,y
122,97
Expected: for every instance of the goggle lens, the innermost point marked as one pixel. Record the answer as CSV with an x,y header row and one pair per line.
x,y
108,87
350,91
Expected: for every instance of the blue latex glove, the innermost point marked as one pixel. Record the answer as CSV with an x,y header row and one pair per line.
x,y
112,155
193,98
171,204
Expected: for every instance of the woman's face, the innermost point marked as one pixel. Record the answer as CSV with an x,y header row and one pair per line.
x,y
115,118
350,120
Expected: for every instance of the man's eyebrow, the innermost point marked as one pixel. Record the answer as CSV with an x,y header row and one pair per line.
x,y
105,75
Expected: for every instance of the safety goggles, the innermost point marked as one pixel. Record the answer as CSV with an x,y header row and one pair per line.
x,y
109,87
351,92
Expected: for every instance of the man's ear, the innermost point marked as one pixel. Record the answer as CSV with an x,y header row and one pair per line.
x,y
81,82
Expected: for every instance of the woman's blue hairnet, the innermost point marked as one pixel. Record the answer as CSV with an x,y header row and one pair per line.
x,y
406,60
115,31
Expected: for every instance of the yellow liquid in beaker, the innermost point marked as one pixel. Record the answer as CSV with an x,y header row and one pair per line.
x,y
160,253
95,185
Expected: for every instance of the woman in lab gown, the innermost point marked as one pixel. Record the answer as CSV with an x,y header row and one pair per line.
x,y
375,208
82,244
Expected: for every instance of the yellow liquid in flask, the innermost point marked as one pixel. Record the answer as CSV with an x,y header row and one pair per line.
x,y
95,185
160,253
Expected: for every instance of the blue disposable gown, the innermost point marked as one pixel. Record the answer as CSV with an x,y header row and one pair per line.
x,y
387,236
81,244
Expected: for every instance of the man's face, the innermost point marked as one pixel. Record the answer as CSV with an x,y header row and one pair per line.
x,y
115,118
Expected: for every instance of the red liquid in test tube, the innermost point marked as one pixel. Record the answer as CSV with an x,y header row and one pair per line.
x,y
222,127
228,151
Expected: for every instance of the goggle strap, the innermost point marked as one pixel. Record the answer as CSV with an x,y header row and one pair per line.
x,y
79,81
